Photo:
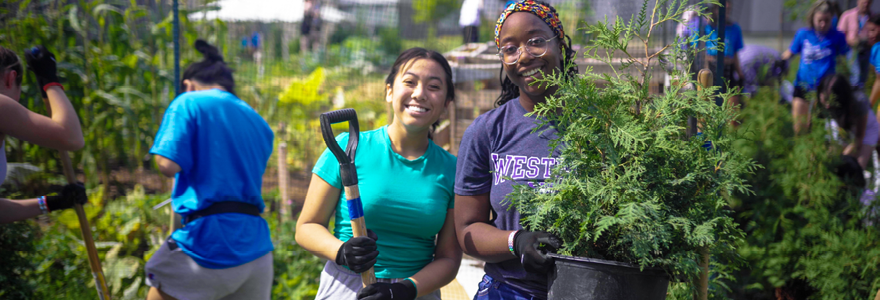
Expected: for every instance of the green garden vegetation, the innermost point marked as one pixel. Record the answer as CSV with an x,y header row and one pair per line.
x,y
806,231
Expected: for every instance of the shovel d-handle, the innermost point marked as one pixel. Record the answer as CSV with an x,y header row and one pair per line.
x,y
345,158
348,172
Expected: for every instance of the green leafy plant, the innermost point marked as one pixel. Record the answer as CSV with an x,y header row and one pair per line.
x,y
632,185
806,234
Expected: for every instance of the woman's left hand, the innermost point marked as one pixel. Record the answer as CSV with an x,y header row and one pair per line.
x,y
404,290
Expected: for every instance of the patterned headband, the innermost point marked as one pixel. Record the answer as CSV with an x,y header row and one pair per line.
x,y
542,11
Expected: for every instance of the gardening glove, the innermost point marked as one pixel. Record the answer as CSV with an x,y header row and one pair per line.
x,y
532,247
74,193
358,253
42,63
403,290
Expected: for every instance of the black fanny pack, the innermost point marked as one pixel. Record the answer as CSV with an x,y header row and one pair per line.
x,y
224,208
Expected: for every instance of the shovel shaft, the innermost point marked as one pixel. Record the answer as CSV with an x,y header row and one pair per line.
x,y
358,225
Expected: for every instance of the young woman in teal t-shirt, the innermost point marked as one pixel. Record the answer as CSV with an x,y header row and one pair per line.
x,y
406,185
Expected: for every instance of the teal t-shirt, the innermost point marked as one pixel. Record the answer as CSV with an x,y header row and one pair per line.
x,y
405,201
222,146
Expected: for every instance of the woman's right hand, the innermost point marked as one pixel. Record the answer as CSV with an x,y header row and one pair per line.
x,y
358,253
42,63
531,248
74,193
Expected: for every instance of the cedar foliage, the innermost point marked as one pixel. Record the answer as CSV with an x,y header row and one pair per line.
x,y
631,185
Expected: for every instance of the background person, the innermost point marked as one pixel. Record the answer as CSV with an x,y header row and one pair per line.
x,y
532,44
818,45
852,24
761,66
216,147
851,113
405,183
469,20
733,43
60,131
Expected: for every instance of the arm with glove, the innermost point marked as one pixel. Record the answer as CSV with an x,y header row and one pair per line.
x,y
358,254
435,275
486,242
61,130
17,210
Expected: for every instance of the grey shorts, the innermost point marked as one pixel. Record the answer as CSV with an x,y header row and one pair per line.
x,y
339,283
176,274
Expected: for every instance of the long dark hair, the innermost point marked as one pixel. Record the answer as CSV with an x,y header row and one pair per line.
x,y
844,106
510,91
421,53
9,60
211,70
875,19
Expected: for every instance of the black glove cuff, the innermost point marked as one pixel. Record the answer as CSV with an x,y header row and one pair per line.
x,y
340,255
517,244
411,288
54,203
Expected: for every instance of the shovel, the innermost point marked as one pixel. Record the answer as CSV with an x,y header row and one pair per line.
x,y
348,172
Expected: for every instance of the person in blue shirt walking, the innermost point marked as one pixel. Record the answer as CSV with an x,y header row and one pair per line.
x,y
819,46
216,147
733,43
406,185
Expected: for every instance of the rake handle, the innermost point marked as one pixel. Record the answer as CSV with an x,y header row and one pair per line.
x,y
85,228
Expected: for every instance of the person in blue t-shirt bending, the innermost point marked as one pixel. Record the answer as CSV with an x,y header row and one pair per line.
x,y
819,46
499,151
216,147
733,43
405,183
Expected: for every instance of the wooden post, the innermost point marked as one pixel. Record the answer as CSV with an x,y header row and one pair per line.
x,y
284,199
704,78
282,182
453,124
703,282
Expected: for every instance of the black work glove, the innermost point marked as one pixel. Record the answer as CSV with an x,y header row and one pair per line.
x,y
404,290
532,247
42,63
358,253
74,193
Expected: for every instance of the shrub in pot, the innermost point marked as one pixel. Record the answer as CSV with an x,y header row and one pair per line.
x,y
632,186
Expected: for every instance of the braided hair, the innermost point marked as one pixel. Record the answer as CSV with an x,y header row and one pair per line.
x,y
211,70
9,61
510,91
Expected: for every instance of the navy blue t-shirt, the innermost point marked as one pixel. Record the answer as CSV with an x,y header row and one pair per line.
x,y
500,145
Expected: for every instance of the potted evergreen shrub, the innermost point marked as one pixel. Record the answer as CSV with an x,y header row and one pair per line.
x,y
636,198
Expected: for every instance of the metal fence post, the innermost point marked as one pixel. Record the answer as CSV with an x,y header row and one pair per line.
x,y
719,55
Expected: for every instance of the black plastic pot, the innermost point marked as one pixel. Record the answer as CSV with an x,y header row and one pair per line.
x,y
596,279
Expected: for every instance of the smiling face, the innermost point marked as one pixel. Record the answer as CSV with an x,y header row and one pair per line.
x,y
418,95
518,29
822,22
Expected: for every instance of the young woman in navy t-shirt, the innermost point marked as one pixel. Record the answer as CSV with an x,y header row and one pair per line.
x,y
500,145
819,46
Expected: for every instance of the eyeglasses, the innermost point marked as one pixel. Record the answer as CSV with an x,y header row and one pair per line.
x,y
536,47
